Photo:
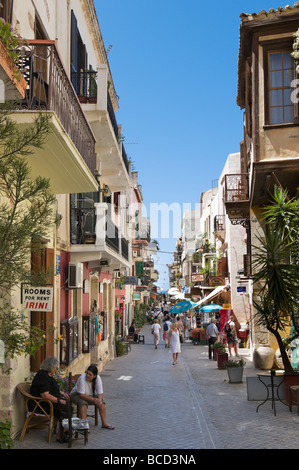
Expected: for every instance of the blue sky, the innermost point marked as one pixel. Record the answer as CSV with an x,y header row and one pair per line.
x,y
174,67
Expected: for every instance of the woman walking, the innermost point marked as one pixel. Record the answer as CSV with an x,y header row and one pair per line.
x,y
174,342
156,328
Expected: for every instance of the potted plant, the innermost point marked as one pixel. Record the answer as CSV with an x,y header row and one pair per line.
x,y
195,335
222,355
218,347
235,370
9,42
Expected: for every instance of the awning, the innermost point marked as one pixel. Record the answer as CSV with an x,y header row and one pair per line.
x,y
213,294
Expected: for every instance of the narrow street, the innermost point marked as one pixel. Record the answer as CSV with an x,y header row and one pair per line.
x,y
156,405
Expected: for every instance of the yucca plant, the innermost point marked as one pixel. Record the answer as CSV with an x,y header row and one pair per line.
x,y
276,266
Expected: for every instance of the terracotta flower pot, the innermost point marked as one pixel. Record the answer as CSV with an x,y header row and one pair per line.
x,y
221,359
12,73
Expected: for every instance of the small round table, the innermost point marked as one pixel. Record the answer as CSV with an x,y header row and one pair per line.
x,y
263,378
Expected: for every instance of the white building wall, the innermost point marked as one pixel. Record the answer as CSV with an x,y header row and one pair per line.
x,y
235,238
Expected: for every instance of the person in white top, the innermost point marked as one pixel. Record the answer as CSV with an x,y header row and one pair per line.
x,y
89,391
156,328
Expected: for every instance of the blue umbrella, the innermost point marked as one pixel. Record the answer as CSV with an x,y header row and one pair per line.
x,y
182,306
210,308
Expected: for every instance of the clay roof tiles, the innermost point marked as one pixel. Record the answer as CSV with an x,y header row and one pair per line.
x,y
245,17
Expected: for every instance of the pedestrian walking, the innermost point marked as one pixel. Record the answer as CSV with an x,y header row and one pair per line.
x,y
212,334
174,342
180,326
231,335
167,327
88,390
156,328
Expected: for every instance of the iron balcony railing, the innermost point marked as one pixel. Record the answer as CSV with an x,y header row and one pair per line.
x,y
83,231
85,85
49,88
237,187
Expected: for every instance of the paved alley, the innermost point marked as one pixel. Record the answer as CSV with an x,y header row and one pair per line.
x,y
156,405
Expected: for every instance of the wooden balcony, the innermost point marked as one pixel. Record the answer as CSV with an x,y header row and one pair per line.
x,y
219,227
236,197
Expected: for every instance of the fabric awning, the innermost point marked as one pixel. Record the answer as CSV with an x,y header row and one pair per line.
x,y
213,294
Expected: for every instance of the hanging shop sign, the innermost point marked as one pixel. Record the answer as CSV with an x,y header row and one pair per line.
x,y
130,280
37,299
137,296
197,277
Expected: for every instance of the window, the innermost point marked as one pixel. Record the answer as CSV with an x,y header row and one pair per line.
x,y
280,76
89,333
6,7
69,346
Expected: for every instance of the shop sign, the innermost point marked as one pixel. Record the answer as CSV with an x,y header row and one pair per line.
x,y
37,299
197,277
131,280
137,296
215,281
241,290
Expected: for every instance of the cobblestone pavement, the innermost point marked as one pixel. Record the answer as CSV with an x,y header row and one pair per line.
x,y
156,405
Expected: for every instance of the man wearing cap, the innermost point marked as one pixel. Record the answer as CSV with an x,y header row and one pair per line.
x,y
212,334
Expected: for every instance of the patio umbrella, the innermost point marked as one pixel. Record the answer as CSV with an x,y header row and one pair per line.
x,y
210,308
182,306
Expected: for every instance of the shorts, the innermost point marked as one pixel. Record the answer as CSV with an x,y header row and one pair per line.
x,y
77,400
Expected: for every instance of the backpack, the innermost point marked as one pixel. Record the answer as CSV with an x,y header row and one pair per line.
x,y
227,327
165,327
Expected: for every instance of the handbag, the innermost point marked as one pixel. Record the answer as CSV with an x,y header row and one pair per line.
x,y
181,339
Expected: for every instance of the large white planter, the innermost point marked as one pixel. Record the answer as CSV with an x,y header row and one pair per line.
x,y
263,357
235,374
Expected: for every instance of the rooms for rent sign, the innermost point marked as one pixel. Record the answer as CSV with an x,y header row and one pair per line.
x,y
38,299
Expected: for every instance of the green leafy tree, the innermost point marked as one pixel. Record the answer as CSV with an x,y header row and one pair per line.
x,y
26,213
276,265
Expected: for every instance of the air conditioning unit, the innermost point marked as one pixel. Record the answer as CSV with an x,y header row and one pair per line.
x,y
104,262
75,275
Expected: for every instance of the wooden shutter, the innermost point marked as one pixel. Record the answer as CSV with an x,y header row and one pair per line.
x,y
43,260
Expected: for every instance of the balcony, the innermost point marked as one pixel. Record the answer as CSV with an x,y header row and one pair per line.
x,y
95,237
98,107
266,174
219,227
237,196
68,157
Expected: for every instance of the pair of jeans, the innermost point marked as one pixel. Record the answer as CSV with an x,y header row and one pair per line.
x,y
212,340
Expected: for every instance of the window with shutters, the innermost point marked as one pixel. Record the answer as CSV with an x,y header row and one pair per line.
x,y
42,262
79,59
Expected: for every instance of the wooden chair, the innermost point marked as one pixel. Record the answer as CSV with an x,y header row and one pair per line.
x,y
72,380
39,415
131,337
